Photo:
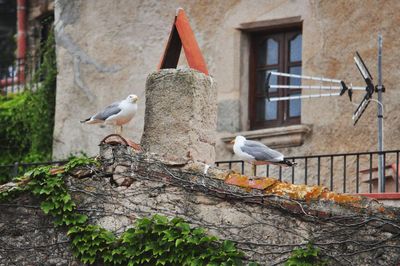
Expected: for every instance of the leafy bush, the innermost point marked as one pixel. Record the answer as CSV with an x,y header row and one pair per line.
x,y
27,119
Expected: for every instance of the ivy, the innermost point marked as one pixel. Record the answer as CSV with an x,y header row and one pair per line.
x,y
151,241
308,256
27,118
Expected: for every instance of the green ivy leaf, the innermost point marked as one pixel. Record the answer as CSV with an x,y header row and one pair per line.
x,y
178,241
81,218
73,230
229,246
47,206
184,226
162,220
108,236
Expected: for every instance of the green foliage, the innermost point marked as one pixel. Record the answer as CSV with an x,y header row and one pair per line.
x,y
27,119
160,241
92,243
76,161
152,241
308,256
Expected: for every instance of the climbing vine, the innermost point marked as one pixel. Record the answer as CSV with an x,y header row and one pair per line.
x,y
152,241
308,256
27,118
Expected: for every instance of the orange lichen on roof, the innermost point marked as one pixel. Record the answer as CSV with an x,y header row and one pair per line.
x,y
273,186
238,180
340,198
300,192
315,193
262,183
246,182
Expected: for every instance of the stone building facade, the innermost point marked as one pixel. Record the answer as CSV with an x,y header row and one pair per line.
x,y
106,50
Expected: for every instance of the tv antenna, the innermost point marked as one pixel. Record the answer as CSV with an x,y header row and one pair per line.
x,y
325,84
336,87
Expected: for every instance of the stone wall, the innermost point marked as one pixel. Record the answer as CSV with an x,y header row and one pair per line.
x,y
265,226
28,236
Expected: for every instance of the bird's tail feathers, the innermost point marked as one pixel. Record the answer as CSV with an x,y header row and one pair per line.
x,y
84,121
289,163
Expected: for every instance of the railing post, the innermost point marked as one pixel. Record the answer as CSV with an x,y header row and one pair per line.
x,y
344,173
305,170
357,172
15,169
370,173
397,171
280,173
319,171
293,172
331,184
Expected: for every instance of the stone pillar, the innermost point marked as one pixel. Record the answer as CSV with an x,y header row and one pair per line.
x,y
181,116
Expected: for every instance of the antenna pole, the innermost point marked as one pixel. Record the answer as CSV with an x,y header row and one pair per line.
x,y
381,167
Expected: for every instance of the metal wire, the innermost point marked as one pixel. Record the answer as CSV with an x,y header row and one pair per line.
x,y
305,77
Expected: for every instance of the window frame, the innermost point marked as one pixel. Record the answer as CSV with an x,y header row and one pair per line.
x,y
284,34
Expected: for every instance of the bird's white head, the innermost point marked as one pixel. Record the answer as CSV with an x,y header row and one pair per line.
x,y
238,140
132,98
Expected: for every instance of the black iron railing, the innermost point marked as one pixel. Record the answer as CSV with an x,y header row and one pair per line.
x,y
345,172
13,79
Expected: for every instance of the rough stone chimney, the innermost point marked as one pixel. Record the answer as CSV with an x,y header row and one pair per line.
x,y
181,116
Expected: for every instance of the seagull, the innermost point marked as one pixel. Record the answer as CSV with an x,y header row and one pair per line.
x,y
116,114
257,153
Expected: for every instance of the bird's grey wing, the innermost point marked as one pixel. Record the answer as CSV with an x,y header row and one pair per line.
x,y
110,110
261,152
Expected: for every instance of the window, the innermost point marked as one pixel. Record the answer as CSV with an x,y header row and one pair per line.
x,y
274,51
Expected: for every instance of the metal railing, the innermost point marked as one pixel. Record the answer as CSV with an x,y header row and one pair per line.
x,y
13,79
344,172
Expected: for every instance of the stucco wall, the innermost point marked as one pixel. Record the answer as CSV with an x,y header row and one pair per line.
x,y
106,49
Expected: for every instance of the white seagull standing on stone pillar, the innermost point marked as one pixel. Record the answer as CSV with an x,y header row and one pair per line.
x,y
257,153
116,114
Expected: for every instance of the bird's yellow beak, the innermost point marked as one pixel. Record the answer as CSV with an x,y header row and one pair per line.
x,y
232,141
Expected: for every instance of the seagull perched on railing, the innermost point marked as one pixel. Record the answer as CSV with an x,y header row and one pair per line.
x,y
257,153
116,114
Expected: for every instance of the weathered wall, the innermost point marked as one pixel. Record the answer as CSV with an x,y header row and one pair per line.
x,y
106,49
29,238
265,226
